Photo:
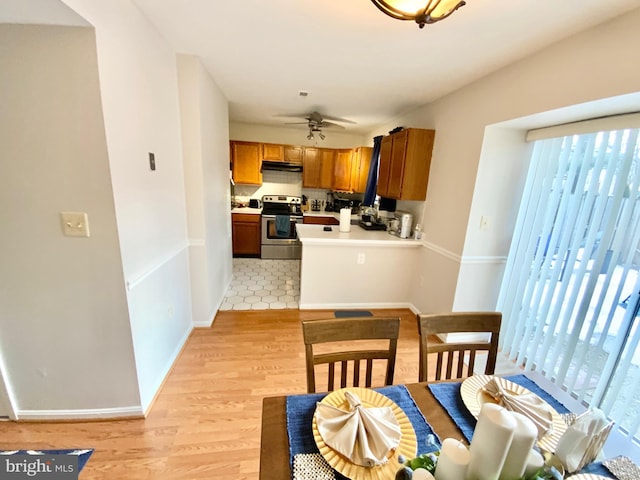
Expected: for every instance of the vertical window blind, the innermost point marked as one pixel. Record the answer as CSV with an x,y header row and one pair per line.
x,y
569,296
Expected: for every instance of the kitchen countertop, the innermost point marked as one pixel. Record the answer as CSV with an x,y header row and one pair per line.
x,y
258,211
315,235
255,211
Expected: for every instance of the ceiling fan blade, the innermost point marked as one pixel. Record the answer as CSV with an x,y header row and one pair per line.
x,y
292,115
326,124
338,119
296,123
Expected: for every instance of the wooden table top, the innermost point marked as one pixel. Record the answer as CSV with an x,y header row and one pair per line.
x,y
274,445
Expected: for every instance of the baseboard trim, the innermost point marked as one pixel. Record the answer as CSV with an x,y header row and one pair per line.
x,y
172,364
80,415
356,306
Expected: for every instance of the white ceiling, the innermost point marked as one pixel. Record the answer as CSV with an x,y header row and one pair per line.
x,y
354,61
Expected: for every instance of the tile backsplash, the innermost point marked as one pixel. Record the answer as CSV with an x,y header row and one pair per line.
x,y
273,183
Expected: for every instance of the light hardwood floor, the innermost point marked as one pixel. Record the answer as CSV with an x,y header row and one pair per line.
x,y
205,422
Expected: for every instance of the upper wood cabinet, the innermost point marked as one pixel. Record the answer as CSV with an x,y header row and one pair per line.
x,y
273,152
405,158
360,161
342,170
311,168
246,162
282,153
293,154
327,162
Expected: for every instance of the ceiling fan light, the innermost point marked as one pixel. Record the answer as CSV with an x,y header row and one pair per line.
x,y
310,136
322,137
421,11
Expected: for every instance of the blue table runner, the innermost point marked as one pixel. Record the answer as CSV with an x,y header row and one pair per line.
x,y
300,410
448,394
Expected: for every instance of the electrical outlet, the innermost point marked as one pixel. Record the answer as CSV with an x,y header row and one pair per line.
x,y
361,258
484,223
75,224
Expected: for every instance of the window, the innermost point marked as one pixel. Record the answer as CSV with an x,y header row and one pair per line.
x,y
570,294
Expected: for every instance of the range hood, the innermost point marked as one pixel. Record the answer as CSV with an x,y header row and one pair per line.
x,y
281,166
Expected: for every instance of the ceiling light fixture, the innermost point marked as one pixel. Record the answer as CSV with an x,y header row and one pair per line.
x,y
416,10
315,129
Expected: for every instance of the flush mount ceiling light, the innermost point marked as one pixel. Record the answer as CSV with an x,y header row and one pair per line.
x,y
421,11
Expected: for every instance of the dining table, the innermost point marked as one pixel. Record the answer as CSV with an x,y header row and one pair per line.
x,y
439,404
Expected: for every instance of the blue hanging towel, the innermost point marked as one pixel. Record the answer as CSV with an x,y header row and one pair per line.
x,y
283,225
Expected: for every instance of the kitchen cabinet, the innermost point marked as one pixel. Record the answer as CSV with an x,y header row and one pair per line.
x,y
272,152
282,153
311,168
246,162
405,158
293,154
360,161
342,170
320,220
245,232
317,170
327,161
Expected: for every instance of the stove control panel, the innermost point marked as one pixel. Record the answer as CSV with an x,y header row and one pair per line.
x,y
282,199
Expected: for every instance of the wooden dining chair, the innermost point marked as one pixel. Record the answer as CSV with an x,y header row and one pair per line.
x,y
334,340
452,354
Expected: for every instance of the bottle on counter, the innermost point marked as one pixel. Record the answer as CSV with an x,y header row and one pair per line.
x,y
417,232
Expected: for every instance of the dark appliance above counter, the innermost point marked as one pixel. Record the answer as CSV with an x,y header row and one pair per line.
x,y
281,166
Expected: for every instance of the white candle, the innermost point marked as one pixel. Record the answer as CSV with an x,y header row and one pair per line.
x,y
524,437
452,461
490,442
421,474
535,461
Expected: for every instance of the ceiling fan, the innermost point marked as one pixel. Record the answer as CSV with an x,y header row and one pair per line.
x,y
316,122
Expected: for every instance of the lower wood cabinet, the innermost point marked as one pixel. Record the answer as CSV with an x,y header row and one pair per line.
x,y
321,220
245,231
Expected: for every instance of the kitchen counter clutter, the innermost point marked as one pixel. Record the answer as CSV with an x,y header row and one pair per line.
x,y
358,236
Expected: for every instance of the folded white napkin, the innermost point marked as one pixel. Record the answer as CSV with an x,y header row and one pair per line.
x,y
530,405
363,435
583,440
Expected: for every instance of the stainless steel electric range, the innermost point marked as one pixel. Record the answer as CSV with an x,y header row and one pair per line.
x,y
280,213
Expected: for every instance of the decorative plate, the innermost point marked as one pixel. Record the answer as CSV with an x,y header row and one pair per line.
x,y
588,476
369,398
474,397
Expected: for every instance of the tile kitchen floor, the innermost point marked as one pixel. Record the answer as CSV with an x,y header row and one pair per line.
x,y
263,284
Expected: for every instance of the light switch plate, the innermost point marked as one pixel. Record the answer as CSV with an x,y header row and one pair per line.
x,y
75,224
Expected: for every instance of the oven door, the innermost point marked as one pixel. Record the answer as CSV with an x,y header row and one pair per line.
x,y
280,242
285,235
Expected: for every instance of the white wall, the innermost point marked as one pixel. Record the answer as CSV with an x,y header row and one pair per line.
x,y
66,342
138,81
592,65
332,278
205,139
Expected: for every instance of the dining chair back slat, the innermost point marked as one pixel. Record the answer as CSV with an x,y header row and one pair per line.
x,y
457,359
351,331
